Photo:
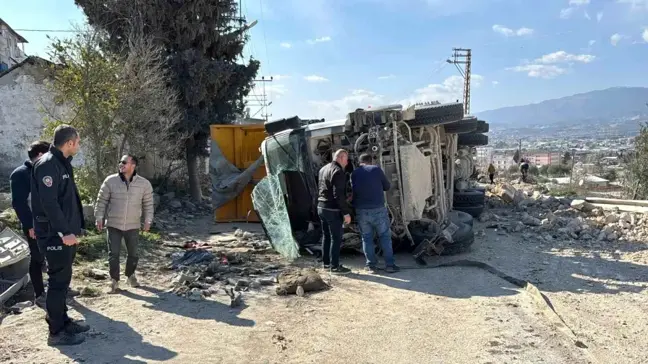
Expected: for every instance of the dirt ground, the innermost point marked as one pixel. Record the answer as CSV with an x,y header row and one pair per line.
x,y
442,315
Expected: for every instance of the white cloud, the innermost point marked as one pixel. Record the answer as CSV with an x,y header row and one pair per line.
x,y
285,45
539,70
280,77
337,109
599,16
578,2
315,78
564,57
508,32
615,39
566,13
450,90
319,40
644,35
386,77
587,16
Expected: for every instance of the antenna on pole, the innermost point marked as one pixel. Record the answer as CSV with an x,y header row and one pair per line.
x,y
463,56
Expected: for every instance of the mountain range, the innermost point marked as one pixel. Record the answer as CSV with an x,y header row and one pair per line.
x,y
609,105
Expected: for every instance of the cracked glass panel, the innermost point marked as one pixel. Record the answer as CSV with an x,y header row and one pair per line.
x,y
268,199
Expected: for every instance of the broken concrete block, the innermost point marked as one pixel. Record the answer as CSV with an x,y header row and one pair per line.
x,y
582,205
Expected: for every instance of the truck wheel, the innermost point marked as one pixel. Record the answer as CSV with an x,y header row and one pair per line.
x,y
462,239
472,139
468,198
474,210
482,127
461,217
462,126
437,114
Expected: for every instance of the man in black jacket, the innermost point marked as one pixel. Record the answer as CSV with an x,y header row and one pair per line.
x,y
20,182
58,220
334,210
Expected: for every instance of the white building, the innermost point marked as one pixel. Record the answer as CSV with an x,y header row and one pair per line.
x,y
11,47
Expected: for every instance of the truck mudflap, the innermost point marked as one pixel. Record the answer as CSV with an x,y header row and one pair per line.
x,y
270,205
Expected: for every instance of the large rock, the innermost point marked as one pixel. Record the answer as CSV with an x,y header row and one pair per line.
x,y
582,205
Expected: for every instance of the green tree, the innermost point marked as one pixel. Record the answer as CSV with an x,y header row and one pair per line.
x,y
636,176
516,156
201,45
566,159
118,103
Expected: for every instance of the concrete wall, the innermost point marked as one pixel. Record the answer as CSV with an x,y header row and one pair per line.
x,y
23,97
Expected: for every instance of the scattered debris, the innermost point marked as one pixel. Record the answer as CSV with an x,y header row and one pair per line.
x,y
236,298
89,291
97,274
308,279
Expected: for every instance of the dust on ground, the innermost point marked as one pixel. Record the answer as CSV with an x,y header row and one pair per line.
x,y
443,315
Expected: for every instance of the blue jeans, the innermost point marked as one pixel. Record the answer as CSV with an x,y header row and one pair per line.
x,y
332,231
374,222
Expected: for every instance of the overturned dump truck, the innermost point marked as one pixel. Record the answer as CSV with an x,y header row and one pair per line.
x,y
426,150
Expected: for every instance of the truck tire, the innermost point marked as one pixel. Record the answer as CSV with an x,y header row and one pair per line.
x,y
468,198
462,239
482,127
437,114
461,127
472,139
461,217
474,210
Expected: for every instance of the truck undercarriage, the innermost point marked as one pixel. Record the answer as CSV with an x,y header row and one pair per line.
x,y
418,149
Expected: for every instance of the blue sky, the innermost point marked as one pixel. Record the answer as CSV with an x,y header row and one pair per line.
x,y
331,56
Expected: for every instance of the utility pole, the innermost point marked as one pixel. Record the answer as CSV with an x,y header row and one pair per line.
x,y
261,99
463,56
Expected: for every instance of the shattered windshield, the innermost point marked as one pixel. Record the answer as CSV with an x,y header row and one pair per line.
x,y
282,154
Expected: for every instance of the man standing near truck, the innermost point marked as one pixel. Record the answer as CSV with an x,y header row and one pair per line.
x,y
20,183
58,220
369,185
123,198
333,210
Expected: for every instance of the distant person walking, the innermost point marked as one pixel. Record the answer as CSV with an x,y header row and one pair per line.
x,y
524,169
20,183
123,198
369,185
333,210
491,173
58,220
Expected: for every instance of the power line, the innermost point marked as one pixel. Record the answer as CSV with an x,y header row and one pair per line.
x,y
48,30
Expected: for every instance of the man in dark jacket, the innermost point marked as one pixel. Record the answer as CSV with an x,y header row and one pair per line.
x,y
334,210
58,220
369,185
20,182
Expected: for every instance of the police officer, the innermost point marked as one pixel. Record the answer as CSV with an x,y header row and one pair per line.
x,y
20,182
58,220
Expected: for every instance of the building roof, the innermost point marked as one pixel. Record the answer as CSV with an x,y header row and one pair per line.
x,y
32,60
21,39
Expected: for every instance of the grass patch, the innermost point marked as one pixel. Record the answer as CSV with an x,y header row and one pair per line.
x,y
94,245
563,191
9,218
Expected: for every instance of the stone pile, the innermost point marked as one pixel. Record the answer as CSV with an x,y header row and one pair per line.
x,y
548,218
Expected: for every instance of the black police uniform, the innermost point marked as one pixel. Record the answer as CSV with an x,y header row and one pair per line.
x,y
57,212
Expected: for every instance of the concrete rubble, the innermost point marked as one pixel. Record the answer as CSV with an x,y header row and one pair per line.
x,y
210,270
549,219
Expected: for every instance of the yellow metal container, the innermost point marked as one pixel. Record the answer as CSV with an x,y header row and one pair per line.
x,y
241,145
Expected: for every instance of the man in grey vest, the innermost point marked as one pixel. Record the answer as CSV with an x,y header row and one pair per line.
x,y
123,198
